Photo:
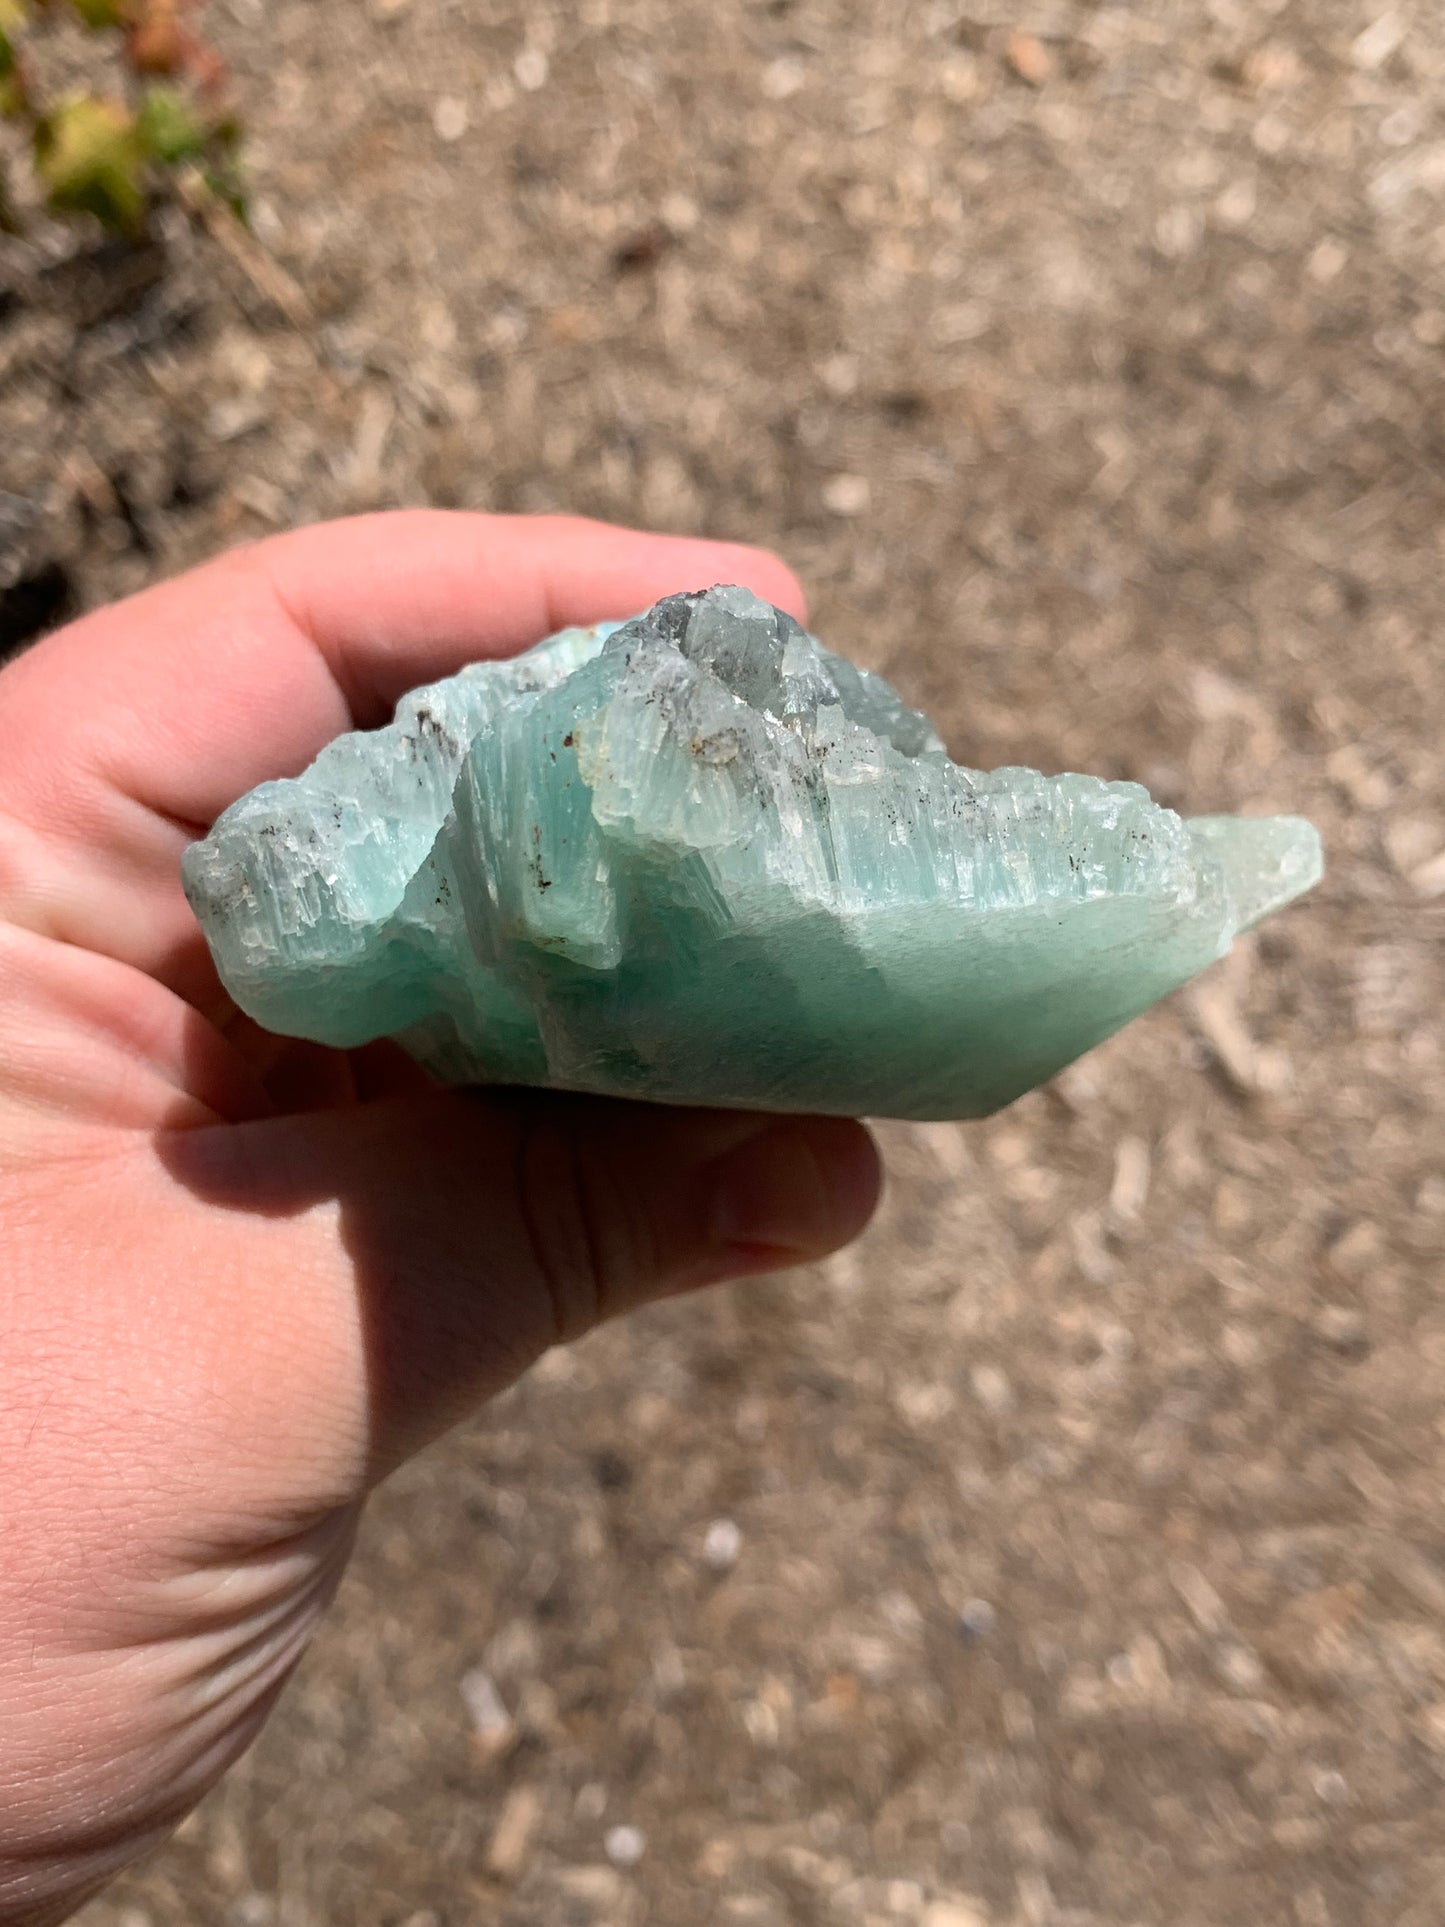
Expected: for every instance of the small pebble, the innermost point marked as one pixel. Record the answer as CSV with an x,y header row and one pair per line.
x,y
839,375
783,78
591,1801
253,1910
1327,260
624,1846
680,213
449,118
1116,1342
1240,1668
722,1545
991,1388
1121,1671
847,495
977,1619
531,69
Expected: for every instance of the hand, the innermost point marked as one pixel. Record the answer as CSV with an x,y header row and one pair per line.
x,y
241,1280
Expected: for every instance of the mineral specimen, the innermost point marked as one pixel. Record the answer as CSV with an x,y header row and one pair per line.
x,y
694,857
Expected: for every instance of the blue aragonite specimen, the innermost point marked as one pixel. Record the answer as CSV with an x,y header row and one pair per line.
x,y
695,857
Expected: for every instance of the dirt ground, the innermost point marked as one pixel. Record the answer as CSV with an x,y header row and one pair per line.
x,y
1072,1553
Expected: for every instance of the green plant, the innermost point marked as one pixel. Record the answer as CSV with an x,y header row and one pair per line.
x,y
111,154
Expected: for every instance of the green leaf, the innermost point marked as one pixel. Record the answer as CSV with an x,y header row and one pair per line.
x,y
91,159
100,13
169,126
12,19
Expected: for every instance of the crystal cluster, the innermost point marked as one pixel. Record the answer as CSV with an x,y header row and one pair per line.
x,y
697,858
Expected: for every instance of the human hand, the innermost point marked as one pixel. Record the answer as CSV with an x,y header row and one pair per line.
x,y
241,1279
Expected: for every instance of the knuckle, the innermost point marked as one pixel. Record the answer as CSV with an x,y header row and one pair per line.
x,y
22,871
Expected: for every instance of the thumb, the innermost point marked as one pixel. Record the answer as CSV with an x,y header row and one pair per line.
x,y
453,1237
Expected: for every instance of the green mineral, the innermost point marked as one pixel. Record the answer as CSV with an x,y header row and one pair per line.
x,y
697,858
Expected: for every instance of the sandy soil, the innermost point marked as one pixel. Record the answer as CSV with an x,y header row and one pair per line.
x,y
1072,1554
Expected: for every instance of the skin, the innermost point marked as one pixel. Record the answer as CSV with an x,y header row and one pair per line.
x,y
241,1280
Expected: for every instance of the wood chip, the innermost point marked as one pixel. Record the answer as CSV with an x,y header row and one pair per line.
x,y
83,475
260,267
368,447
1373,46
1132,1167
494,1728
512,1837
262,499
1251,1068
596,1886
1206,1608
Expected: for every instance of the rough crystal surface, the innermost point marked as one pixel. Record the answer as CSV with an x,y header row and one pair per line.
x,y
697,858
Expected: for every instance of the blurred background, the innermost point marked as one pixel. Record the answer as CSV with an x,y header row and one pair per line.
x,y
1072,1553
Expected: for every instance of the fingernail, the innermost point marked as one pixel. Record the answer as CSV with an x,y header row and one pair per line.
x,y
794,1192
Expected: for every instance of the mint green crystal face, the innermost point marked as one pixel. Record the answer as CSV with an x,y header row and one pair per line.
x,y
696,858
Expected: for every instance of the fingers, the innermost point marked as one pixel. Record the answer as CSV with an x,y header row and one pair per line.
x,y
128,732
447,1241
